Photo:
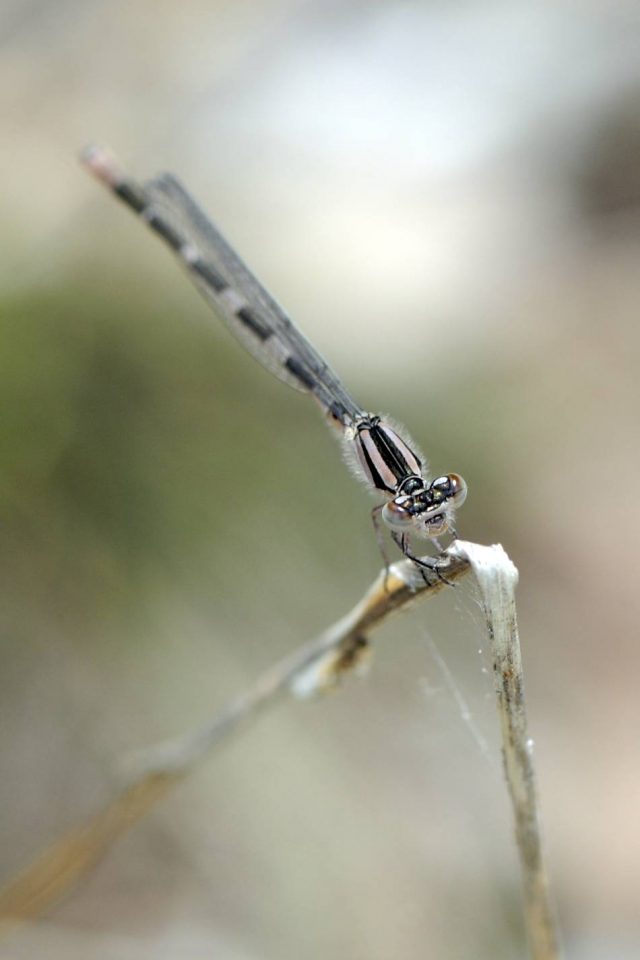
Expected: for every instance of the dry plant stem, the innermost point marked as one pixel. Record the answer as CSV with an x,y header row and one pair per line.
x,y
497,578
59,868
324,659
322,662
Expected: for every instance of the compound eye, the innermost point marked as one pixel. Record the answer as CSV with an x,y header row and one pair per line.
x,y
441,485
396,516
458,489
451,488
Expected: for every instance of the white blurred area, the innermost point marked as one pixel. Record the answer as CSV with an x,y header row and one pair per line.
x,y
367,156
446,197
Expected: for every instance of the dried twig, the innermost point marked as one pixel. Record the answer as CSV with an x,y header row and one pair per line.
x,y
315,666
497,578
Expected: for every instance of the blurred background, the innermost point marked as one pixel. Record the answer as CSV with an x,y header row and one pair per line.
x,y
446,197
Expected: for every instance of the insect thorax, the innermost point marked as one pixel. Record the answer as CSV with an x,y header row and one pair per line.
x,y
380,456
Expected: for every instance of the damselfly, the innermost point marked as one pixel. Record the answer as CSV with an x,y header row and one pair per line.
x,y
378,451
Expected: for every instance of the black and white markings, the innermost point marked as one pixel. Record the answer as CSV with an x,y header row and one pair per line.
x,y
385,456
377,450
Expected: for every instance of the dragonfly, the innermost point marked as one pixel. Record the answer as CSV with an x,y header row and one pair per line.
x,y
378,451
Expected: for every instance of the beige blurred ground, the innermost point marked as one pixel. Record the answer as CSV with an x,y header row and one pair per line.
x,y
446,197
